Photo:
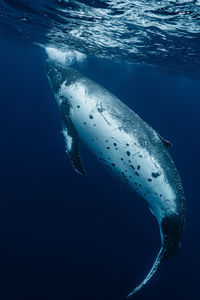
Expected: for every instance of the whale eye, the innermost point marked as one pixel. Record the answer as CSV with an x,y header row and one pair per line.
x,y
100,110
91,117
149,179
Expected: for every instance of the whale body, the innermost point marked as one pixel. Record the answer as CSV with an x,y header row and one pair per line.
x,y
126,145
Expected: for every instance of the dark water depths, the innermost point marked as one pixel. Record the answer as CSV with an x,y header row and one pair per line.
x,y
164,33
63,236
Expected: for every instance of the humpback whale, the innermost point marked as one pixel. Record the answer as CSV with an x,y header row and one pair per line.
x,y
126,145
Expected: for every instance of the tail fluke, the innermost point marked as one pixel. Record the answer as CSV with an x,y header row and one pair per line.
x,y
150,274
171,232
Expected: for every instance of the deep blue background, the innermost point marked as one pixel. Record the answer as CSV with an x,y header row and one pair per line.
x,y
63,236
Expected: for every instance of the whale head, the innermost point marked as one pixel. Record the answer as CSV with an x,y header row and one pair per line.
x,y
58,73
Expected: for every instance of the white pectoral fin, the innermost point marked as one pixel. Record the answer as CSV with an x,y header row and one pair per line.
x,y
71,142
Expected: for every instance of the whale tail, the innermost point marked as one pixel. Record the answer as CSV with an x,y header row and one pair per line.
x,y
171,233
153,270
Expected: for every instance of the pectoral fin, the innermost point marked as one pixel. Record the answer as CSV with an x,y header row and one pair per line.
x,y
71,140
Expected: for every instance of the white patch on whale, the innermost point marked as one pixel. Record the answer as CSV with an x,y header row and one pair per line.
x,y
68,139
66,56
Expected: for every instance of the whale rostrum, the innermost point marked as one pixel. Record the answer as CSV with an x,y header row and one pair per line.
x,y
126,145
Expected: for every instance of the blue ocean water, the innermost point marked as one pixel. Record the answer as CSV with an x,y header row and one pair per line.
x,y
64,236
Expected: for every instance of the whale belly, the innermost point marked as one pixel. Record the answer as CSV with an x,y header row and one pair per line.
x,y
102,131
